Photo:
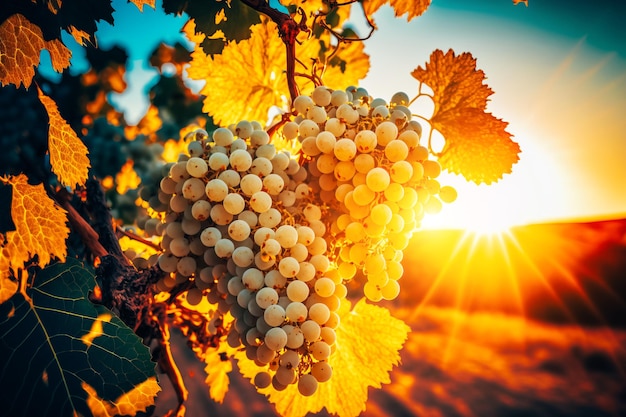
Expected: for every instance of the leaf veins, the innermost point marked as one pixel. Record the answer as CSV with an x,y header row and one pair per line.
x,y
40,230
248,77
413,8
477,145
68,154
21,43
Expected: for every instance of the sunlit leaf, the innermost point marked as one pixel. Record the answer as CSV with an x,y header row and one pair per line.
x,y
8,286
46,365
21,43
68,154
127,178
218,366
477,145
312,7
413,8
248,77
40,228
147,126
367,346
128,404
141,3
80,36
349,65
245,80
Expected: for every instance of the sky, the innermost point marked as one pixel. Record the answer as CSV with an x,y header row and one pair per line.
x,y
558,69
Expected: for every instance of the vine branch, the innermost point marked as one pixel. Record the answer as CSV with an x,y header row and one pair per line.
x,y
288,30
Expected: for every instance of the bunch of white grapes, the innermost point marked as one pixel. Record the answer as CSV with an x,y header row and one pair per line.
x,y
365,162
241,226
273,239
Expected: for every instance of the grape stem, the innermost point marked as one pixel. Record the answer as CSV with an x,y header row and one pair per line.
x,y
139,239
288,30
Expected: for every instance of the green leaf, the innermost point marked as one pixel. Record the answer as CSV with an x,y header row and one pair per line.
x,y
55,342
233,18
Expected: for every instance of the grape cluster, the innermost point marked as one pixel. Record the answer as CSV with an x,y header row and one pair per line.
x,y
365,162
239,225
273,239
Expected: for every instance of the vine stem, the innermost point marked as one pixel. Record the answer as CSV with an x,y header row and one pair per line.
x,y
288,30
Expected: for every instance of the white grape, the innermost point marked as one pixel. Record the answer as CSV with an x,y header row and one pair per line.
x,y
307,385
273,183
274,315
234,203
297,291
253,279
260,201
321,371
224,248
240,160
216,190
218,161
197,167
275,338
296,311
238,230
193,189
270,218
266,297
250,184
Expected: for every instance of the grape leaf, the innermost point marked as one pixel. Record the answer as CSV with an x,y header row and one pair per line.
x,y
47,366
40,229
141,3
129,403
21,43
413,8
233,19
349,65
8,287
477,145
312,7
68,154
367,346
248,77
218,366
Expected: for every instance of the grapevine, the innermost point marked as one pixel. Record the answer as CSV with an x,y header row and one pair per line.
x,y
273,239
262,241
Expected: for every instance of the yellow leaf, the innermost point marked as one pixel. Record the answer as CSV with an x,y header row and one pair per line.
x,y
349,65
8,287
367,346
516,2
413,8
248,77
127,178
128,404
80,36
140,3
147,126
476,143
68,154
312,7
21,43
218,365
40,228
